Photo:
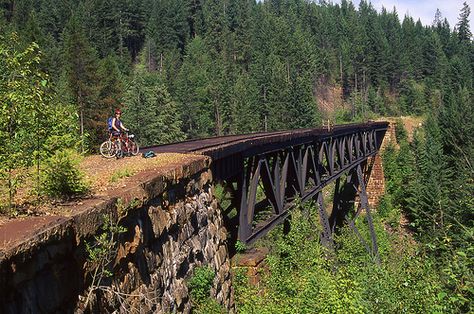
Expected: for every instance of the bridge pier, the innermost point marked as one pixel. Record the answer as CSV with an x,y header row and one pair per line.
x,y
376,182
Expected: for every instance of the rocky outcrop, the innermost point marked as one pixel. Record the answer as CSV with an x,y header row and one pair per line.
x,y
173,225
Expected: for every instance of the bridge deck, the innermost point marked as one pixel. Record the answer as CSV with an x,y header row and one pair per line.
x,y
223,146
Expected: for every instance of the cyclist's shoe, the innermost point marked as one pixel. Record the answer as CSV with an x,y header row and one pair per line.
x,y
119,154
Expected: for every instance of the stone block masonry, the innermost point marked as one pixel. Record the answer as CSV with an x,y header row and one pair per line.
x,y
173,226
376,183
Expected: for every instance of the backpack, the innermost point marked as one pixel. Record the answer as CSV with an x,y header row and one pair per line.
x,y
149,154
109,123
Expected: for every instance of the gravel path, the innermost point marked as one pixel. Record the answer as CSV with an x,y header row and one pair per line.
x,y
102,175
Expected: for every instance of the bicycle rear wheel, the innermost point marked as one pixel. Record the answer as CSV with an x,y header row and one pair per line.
x,y
134,148
108,149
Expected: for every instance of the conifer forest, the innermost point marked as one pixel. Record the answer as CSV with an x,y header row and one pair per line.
x,y
186,69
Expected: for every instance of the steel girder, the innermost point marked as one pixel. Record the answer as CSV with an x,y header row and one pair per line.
x,y
276,179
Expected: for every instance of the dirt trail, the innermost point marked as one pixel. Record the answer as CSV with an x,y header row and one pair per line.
x,y
101,174
409,122
104,174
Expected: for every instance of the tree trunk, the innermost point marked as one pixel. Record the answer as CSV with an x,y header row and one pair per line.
x,y
288,72
355,81
340,68
218,120
81,117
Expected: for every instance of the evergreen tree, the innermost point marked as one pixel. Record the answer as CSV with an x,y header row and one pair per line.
x,y
245,113
195,17
53,16
80,66
110,90
193,84
150,111
435,64
432,199
464,32
457,125
241,26
216,25
168,27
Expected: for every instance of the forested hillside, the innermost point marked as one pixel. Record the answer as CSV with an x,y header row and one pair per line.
x,y
192,68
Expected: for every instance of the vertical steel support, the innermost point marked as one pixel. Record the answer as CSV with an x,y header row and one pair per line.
x,y
326,237
335,206
365,204
244,231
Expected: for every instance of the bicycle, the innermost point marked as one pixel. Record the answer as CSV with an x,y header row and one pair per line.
x,y
113,146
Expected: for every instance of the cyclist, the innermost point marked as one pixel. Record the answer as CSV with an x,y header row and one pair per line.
x,y
117,125
117,128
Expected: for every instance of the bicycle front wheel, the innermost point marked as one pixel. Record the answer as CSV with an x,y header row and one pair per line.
x,y
108,149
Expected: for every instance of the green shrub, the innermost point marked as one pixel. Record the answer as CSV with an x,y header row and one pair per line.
x,y
200,284
101,252
401,133
240,246
62,177
387,212
209,306
302,280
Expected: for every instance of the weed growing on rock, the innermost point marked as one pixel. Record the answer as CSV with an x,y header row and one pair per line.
x,y
200,285
240,246
102,251
120,174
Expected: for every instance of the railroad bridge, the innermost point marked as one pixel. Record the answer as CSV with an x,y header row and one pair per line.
x,y
289,167
175,225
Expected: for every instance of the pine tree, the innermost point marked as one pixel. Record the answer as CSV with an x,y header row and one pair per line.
x,y
111,90
457,125
245,113
432,200
464,31
150,111
195,17
434,60
192,85
80,66
216,25
241,26
167,27
53,16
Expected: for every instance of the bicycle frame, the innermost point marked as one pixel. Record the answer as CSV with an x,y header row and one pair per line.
x,y
123,139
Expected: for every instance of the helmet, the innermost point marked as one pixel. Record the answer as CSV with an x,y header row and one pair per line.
x,y
118,111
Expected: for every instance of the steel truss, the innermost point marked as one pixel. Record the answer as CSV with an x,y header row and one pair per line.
x,y
298,173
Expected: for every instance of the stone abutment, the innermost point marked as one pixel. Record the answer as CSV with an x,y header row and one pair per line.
x,y
173,225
